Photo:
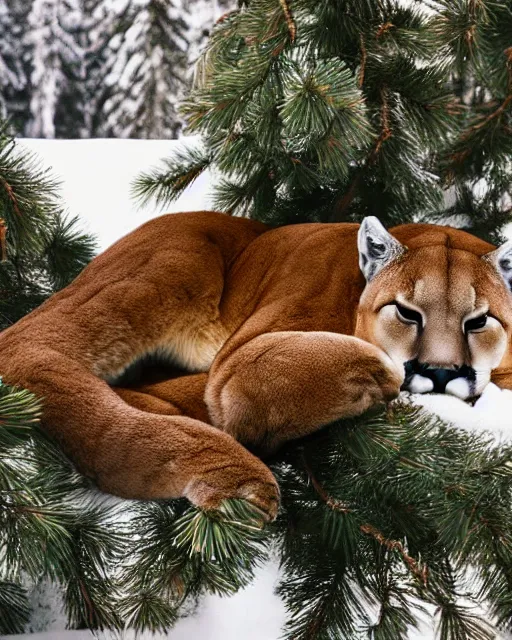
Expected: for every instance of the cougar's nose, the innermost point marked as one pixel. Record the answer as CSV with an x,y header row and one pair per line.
x,y
441,377
421,377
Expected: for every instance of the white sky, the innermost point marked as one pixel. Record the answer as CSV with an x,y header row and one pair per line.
x,y
96,179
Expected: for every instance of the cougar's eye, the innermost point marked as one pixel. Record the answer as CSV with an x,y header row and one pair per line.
x,y
409,316
474,324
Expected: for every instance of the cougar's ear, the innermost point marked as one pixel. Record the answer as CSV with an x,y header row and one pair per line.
x,y
501,260
377,247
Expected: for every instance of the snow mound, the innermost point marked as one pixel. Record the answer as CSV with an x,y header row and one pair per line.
x,y
492,412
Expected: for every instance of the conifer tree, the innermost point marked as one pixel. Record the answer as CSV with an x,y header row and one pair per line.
x,y
104,28
13,80
475,167
330,111
56,62
202,16
147,73
90,68
41,249
123,42
40,252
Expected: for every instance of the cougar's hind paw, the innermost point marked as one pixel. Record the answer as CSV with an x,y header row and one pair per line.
x,y
262,494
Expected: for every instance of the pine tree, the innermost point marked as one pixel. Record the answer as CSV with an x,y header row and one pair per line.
x,y
41,252
324,111
41,249
475,166
90,68
146,71
13,80
124,42
103,30
57,63
331,111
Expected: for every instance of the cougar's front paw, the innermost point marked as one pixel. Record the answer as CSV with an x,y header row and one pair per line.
x,y
379,376
389,379
252,481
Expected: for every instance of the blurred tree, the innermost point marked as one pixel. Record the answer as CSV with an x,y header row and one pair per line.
x,y
145,71
109,68
56,58
13,79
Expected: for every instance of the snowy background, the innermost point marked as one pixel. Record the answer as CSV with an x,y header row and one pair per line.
x,y
100,68
96,179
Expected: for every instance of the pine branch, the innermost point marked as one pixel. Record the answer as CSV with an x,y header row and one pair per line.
x,y
14,608
167,184
392,489
369,529
27,194
41,251
401,470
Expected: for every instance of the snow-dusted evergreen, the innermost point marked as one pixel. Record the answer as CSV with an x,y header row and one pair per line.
x,y
100,68
57,60
149,75
104,27
13,80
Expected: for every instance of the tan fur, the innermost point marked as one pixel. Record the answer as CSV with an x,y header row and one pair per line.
x,y
443,275
268,316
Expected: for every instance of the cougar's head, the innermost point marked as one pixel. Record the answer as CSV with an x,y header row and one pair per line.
x,y
443,313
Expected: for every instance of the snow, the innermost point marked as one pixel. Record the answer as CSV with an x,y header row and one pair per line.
x,y
252,614
492,411
96,179
97,176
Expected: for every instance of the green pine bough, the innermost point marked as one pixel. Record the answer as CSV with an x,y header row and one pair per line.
x,y
41,250
382,516
328,111
43,533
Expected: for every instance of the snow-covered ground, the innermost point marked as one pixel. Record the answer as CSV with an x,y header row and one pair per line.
x,y
252,614
96,178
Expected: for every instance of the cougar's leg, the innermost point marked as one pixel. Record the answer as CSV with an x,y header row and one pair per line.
x,y
283,385
157,291
136,454
183,395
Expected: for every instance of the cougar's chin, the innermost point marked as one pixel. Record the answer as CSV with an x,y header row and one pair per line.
x,y
460,388
420,384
